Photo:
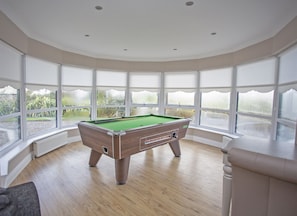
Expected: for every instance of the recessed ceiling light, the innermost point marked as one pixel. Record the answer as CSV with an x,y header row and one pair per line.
x,y
213,33
174,49
98,7
125,49
87,35
189,3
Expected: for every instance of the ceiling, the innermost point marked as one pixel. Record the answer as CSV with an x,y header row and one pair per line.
x,y
150,30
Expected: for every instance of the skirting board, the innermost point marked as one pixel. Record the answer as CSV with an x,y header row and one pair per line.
x,y
73,139
210,142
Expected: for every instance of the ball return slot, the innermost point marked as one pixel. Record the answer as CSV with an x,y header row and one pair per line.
x,y
104,150
158,139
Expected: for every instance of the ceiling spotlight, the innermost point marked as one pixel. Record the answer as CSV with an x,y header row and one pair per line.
x,y
189,3
98,7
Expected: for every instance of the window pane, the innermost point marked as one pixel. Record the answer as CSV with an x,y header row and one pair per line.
x,y
39,99
110,112
9,131
215,100
288,105
214,119
144,111
253,126
41,121
110,97
76,97
144,97
181,98
185,113
9,98
285,133
255,102
75,115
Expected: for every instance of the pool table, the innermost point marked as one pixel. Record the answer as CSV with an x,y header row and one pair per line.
x,y
119,138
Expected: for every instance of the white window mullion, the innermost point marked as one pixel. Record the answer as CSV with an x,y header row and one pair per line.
x,y
275,101
197,102
23,99
94,97
128,96
233,103
59,98
162,96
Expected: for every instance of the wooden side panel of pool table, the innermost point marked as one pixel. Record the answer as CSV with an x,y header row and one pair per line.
x,y
131,141
98,139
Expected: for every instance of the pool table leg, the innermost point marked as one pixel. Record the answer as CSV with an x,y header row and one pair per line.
x,y
121,170
94,158
175,148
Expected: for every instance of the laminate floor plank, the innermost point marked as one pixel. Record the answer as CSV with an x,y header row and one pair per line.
x,y
158,183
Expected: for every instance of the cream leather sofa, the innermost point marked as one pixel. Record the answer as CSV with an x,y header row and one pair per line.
x,y
262,185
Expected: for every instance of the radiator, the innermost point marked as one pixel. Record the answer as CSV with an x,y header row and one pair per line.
x,y
50,143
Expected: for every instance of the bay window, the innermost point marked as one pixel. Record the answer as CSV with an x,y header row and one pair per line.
x,y
10,87
144,92
180,92
41,83
215,88
287,92
255,94
111,94
76,95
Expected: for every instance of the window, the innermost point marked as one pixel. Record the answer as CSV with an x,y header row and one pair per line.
x,y
76,95
10,84
288,67
180,98
111,94
180,91
287,107
215,98
256,102
255,98
144,92
288,104
41,96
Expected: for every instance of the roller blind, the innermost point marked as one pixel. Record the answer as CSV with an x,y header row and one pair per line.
x,y
72,76
41,72
284,88
216,78
111,78
181,79
11,64
258,73
288,66
145,79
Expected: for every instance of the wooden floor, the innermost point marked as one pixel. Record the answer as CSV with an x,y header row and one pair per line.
x,y
158,183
